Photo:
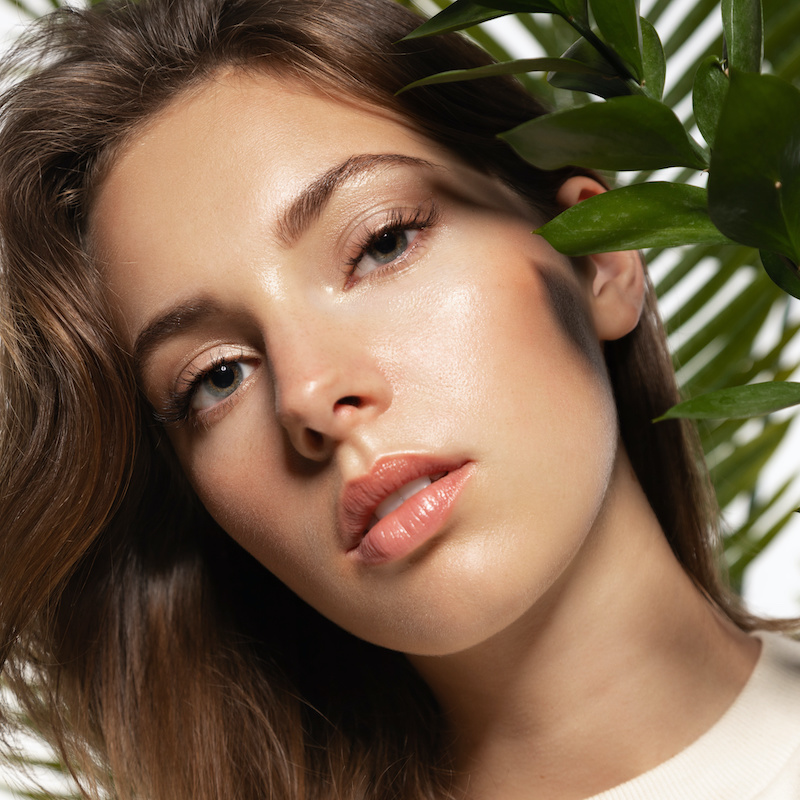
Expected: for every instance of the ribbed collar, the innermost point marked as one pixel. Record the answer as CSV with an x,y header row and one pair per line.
x,y
744,752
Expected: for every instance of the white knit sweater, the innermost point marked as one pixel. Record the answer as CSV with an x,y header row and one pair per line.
x,y
752,753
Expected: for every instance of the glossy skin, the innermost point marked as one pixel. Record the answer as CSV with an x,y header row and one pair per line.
x,y
450,351
406,330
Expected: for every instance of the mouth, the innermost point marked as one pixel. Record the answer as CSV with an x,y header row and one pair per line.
x,y
396,499
400,504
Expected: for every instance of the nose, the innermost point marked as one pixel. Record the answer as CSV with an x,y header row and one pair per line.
x,y
327,383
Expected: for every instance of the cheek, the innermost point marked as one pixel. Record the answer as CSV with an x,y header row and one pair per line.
x,y
238,472
549,406
480,365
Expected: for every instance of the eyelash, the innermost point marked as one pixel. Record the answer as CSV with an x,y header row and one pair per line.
x,y
399,220
177,408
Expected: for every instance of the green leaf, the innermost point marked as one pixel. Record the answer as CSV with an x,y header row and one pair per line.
x,y
601,85
737,567
743,26
531,6
602,81
461,14
505,68
618,21
623,133
466,13
753,400
577,10
733,329
738,473
757,509
708,96
633,217
654,65
783,272
569,9
585,52
754,182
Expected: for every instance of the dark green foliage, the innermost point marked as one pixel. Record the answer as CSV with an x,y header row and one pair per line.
x,y
639,213
623,133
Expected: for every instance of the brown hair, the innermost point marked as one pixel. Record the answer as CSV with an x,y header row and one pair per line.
x,y
119,630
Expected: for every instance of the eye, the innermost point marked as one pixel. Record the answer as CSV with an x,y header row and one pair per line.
x,y
219,383
385,247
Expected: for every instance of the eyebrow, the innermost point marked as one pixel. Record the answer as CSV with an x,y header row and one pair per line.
x,y
309,204
291,224
183,318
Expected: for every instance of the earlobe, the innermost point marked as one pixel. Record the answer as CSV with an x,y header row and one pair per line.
x,y
616,279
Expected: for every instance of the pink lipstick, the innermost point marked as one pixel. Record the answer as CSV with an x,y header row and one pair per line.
x,y
399,505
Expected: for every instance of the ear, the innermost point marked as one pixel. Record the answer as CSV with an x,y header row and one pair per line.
x,y
617,279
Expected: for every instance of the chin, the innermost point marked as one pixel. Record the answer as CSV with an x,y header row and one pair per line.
x,y
436,631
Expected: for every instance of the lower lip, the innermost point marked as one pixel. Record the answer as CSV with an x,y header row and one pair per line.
x,y
413,523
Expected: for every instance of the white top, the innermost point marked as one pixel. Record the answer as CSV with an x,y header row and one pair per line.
x,y
752,753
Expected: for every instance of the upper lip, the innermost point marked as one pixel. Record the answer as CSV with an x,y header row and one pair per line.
x,y
363,495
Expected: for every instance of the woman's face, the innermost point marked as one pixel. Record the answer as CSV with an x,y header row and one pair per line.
x,y
333,312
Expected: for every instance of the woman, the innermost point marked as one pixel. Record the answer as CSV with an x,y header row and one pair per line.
x,y
322,476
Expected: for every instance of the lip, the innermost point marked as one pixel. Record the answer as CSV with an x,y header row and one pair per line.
x,y
416,521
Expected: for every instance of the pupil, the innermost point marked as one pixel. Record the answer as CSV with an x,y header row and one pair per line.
x,y
387,243
223,376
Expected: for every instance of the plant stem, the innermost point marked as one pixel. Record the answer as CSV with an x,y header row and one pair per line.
x,y
609,54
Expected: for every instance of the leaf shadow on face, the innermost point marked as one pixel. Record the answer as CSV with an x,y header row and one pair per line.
x,y
572,315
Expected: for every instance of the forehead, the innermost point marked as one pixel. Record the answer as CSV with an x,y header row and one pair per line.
x,y
244,128
228,156
196,197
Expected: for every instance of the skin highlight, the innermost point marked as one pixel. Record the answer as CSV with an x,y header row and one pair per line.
x,y
525,576
419,347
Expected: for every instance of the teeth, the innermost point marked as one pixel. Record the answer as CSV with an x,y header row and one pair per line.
x,y
396,499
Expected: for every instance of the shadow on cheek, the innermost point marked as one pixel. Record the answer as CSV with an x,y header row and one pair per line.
x,y
572,315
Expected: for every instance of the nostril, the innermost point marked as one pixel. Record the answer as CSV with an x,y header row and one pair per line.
x,y
350,400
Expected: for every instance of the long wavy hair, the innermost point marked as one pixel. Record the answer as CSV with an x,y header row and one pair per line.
x,y
159,658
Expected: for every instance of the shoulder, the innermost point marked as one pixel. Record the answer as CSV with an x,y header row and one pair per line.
x,y
751,753
773,705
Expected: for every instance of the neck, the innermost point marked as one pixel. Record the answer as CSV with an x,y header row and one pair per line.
x,y
618,667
